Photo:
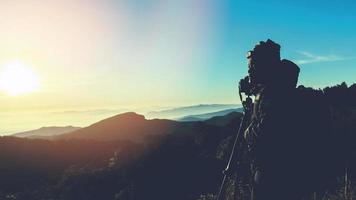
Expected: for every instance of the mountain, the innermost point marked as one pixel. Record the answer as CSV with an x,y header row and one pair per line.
x,y
126,126
206,116
46,132
186,162
180,112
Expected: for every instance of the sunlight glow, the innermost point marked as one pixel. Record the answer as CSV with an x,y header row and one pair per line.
x,y
17,78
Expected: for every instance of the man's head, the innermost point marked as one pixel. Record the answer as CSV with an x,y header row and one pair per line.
x,y
264,62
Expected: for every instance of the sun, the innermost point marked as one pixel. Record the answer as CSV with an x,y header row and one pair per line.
x,y
17,79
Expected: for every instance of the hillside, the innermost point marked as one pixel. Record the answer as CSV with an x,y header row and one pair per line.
x,y
126,126
188,153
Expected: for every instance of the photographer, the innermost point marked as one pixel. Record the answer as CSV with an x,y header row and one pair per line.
x,y
269,134
289,136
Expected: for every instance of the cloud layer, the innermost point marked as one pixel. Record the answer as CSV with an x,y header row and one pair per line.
x,y
314,58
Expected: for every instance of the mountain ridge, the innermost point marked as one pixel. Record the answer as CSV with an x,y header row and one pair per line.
x,y
207,116
125,126
179,112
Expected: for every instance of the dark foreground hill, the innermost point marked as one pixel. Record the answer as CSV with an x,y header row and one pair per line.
x,y
182,165
175,160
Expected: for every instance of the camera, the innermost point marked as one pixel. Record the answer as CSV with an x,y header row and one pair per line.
x,y
245,86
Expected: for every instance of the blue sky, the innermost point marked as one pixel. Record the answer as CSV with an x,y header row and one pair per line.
x,y
150,54
318,35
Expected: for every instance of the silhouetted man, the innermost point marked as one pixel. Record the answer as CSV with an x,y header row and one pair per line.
x,y
284,135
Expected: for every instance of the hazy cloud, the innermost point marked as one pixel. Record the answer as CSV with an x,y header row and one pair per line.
x,y
314,58
92,112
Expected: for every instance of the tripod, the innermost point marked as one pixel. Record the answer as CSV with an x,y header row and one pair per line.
x,y
235,154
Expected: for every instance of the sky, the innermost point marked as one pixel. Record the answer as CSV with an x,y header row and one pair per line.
x,y
95,58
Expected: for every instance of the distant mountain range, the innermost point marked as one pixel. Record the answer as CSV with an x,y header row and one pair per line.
x,y
181,112
127,125
135,127
206,116
46,132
